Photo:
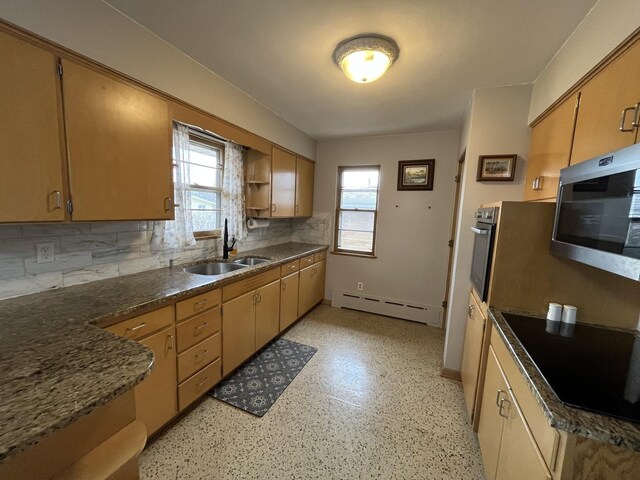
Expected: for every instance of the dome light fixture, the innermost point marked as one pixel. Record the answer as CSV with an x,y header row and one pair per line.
x,y
365,58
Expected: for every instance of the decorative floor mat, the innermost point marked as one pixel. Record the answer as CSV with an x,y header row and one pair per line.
x,y
258,383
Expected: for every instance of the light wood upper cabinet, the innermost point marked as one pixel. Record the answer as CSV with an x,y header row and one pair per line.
x,y
119,147
602,100
31,156
267,313
304,187
283,183
471,355
550,151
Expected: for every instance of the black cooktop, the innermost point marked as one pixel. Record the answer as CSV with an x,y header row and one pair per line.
x,y
594,368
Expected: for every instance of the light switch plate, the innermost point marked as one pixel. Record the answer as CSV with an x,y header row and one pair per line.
x,y
44,252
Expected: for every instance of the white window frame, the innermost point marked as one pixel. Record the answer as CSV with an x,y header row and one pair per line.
x,y
345,251
208,141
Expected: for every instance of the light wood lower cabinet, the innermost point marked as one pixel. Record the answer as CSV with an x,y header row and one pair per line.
x,y
156,401
311,288
508,448
288,300
267,311
238,331
472,354
156,395
248,323
31,156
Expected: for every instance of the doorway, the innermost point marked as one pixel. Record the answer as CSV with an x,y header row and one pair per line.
x,y
452,238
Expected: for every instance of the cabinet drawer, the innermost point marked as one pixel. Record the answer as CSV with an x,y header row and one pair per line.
x,y
199,384
143,325
289,268
251,283
320,256
197,304
198,328
546,437
306,261
198,356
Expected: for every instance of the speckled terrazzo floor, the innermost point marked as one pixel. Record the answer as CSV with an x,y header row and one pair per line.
x,y
369,404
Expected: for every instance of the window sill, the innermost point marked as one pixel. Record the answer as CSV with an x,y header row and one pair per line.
x,y
353,254
207,236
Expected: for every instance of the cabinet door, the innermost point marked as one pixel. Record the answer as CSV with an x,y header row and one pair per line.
x,y
288,300
304,187
238,331
491,422
31,156
550,151
602,100
519,454
267,313
306,290
119,143
318,281
473,339
156,401
283,183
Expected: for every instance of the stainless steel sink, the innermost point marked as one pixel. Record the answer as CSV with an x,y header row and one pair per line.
x,y
250,261
214,268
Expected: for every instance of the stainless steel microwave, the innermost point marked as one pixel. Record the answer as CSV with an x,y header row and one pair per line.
x,y
597,218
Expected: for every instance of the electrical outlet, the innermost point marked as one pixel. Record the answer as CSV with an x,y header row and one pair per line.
x,y
44,252
360,286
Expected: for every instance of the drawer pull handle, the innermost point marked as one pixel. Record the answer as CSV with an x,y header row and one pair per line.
x,y
284,285
498,399
636,120
500,410
623,119
200,355
199,328
170,347
135,329
472,310
200,305
206,379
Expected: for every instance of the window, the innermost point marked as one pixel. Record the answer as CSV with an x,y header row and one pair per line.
x,y
205,183
357,210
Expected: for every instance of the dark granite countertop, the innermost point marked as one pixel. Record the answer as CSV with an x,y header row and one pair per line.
x,y
56,365
563,417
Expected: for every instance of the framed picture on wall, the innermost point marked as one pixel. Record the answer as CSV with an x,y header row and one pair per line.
x,y
416,174
496,168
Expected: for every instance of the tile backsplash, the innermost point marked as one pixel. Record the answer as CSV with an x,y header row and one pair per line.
x,y
85,252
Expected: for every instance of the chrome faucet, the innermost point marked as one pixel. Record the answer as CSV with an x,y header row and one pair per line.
x,y
225,246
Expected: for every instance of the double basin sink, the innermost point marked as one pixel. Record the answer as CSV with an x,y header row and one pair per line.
x,y
219,268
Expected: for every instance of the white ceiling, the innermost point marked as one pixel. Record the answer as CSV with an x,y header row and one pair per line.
x,y
280,53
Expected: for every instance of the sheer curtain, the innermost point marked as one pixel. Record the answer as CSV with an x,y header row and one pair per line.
x,y
179,232
233,191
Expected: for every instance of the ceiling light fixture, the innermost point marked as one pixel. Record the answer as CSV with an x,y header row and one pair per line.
x,y
365,58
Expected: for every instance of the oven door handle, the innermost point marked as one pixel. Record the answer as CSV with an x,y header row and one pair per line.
x,y
479,231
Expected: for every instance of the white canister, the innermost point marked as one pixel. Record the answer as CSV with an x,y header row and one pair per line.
x,y
555,312
569,314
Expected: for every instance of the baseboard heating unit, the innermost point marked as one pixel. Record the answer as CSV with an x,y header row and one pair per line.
x,y
429,314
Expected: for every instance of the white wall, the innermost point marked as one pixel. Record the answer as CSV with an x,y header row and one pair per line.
x,y
413,227
95,29
496,123
607,24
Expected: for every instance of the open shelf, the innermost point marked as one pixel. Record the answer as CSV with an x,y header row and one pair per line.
x,y
256,208
257,182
